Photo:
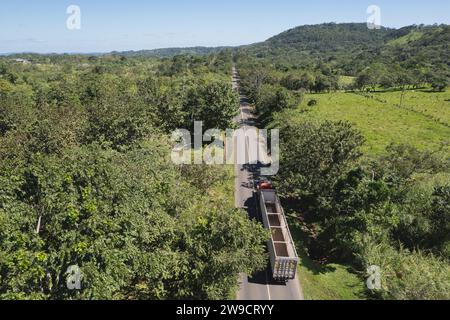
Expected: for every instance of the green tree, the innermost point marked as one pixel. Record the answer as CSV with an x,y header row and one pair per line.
x,y
212,101
314,156
271,99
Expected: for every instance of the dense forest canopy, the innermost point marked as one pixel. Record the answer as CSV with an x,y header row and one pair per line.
x,y
87,180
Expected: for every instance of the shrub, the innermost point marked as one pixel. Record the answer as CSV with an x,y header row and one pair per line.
x,y
409,275
312,103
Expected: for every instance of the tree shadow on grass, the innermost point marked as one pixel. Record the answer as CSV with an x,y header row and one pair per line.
x,y
301,238
351,289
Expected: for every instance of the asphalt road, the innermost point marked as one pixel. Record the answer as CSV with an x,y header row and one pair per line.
x,y
258,286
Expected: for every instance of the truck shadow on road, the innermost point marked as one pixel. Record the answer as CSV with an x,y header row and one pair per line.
x,y
263,278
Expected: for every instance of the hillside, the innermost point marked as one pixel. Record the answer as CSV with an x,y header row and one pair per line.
x,y
421,46
351,47
329,37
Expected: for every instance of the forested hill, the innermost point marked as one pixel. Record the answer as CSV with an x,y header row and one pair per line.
x,y
170,52
329,37
351,47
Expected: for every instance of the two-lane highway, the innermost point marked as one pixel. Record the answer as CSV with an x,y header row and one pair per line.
x,y
258,286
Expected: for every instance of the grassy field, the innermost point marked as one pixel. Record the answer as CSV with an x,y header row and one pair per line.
x,y
381,121
410,37
435,105
325,282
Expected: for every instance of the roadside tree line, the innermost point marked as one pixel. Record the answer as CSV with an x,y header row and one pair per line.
x,y
87,180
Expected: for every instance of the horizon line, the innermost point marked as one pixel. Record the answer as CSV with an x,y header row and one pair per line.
x,y
205,47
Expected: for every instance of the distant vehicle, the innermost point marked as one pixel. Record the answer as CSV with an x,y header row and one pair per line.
x,y
283,256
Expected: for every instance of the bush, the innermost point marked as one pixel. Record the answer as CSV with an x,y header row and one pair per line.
x,y
440,219
312,103
409,275
439,87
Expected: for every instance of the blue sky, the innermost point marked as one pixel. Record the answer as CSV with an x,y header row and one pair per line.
x,y
40,25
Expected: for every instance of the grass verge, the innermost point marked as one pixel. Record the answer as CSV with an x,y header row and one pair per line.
x,y
325,282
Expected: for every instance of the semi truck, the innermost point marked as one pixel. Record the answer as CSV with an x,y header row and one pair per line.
x,y
283,256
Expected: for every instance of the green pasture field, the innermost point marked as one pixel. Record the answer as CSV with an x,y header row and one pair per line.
x,y
421,121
